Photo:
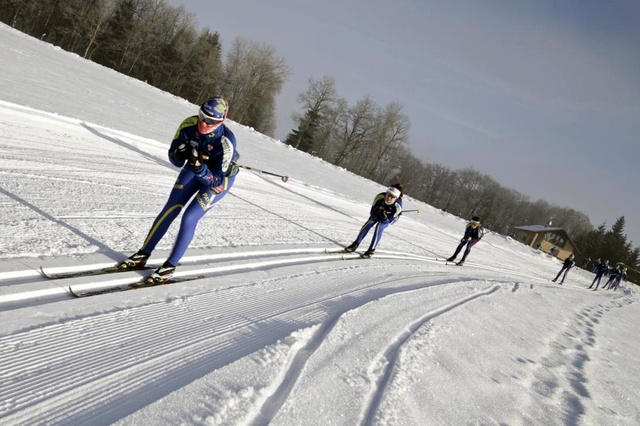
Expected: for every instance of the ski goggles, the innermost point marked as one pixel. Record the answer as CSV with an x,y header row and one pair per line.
x,y
211,121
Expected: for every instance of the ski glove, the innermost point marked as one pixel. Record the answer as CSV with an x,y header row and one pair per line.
x,y
185,151
381,214
205,176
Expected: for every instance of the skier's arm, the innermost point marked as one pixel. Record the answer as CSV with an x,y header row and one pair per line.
x,y
214,171
178,150
376,207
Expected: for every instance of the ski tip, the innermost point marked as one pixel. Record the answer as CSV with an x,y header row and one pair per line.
x,y
43,273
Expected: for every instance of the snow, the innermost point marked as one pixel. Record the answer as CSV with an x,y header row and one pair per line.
x,y
279,331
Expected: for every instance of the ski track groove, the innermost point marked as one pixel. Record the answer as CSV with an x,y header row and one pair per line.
x,y
80,395
274,402
105,330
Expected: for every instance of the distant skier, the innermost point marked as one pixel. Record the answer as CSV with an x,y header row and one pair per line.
x,y
385,210
615,276
204,148
621,277
472,234
601,270
568,264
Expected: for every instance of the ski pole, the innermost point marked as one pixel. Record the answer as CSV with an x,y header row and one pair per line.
x,y
242,166
414,210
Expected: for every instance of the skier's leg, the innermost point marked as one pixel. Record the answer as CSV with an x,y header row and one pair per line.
x,y
455,254
598,282
470,244
558,276
377,235
364,231
202,203
185,186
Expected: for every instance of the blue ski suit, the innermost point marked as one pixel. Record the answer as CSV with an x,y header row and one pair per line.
x,y
568,264
602,270
381,215
471,236
209,183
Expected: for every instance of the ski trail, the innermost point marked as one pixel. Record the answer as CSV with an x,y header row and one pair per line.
x,y
381,369
94,366
288,379
273,403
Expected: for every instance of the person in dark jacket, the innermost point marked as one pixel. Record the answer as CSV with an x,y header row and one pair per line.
x,y
385,210
621,277
472,234
568,264
613,274
601,271
204,148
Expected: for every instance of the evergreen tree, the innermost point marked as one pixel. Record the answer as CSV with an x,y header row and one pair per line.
x,y
615,241
303,138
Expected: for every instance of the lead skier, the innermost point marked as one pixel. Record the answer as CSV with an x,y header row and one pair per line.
x,y
205,149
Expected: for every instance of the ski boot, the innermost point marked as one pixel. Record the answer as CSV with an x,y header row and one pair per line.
x,y
353,247
136,261
162,274
367,254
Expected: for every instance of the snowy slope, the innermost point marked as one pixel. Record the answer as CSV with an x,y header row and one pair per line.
x,y
278,331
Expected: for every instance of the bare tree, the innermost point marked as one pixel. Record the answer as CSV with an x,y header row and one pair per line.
x,y
357,126
389,137
316,101
253,76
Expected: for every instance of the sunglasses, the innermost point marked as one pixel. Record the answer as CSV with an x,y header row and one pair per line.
x,y
211,121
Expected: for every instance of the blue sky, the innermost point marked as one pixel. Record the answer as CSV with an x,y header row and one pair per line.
x,y
544,96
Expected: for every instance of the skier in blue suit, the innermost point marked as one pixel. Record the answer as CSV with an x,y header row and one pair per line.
x,y
566,265
601,271
385,210
205,150
472,234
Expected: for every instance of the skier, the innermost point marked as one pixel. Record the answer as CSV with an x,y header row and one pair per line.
x,y
205,149
615,276
622,276
472,234
568,264
385,210
601,270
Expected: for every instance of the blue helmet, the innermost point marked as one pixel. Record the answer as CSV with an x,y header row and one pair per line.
x,y
214,110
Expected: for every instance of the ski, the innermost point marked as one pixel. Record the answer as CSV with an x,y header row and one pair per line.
x,y
450,262
335,251
89,273
135,286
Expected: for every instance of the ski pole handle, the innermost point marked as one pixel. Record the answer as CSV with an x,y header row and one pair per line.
x,y
242,166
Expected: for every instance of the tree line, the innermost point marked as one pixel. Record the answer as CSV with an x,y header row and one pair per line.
x,y
155,42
